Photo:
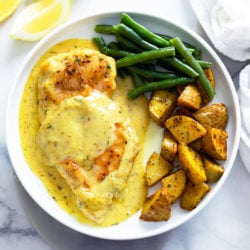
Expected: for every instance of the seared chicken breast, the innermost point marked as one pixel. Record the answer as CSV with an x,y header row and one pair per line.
x,y
75,73
83,133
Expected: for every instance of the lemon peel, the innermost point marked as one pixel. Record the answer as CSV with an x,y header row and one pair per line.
x,y
7,8
39,18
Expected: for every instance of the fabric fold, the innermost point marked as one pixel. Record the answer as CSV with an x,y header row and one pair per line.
x,y
227,24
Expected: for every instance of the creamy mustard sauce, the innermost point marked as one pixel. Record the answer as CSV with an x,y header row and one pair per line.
x,y
132,198
67,125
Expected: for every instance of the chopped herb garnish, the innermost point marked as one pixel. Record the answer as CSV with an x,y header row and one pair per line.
x,y
77,60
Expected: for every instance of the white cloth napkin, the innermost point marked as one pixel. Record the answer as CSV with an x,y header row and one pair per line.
x,y
227,24
244,98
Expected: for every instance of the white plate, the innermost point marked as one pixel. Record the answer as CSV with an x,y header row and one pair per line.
x,y
133,228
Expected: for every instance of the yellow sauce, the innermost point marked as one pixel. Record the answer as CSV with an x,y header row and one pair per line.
x,y
135,192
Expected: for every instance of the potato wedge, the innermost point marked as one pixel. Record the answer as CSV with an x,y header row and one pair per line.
x,y
214,115
174,184
210,76
182,111
196,145
185,129
190,97
168,146
161,104
193,194
191,162
179,89
214,143
156,168
157,207
212,168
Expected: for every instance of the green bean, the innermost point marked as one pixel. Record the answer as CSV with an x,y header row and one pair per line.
x,y
116,53
145,56
126,31
105,29
143,31
99,42
127,44
152,75
204,64
164,84
182,49
180,66
122,73
114,45
195,51
136,78
109,52
134,37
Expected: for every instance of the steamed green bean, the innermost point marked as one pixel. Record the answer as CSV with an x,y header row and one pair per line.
x,y
143,31
182,49
145,56
164,84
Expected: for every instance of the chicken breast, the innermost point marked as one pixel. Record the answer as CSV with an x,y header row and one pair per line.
x,y
74,73
83,133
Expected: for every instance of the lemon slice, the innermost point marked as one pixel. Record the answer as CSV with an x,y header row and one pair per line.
x,y
7,8
39,18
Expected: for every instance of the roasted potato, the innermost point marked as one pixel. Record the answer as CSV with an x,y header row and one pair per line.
x,y
174,184
180,88
210,76
196,145
214,143
161,104
156,207
191,162
194,138
193,194
212,168
168,146
156,168
185,129
182,111
214,115
190,97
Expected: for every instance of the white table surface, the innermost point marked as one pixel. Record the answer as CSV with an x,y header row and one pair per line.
x,y
223,224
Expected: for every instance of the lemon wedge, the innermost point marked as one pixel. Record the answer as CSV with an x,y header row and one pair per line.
x,y
39,18
7,8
